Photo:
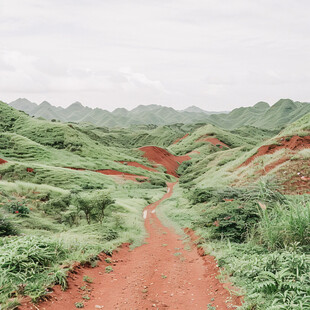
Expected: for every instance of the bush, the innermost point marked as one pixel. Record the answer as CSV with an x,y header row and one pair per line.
x,y
94,205
6,227
200,195
157,182
19,208
231,220
59,204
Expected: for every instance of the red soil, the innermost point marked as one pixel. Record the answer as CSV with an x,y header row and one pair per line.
x,y
212,140
135,164
273,165
2,161
161,274
178,140
295,143
164,158
193,152
124,175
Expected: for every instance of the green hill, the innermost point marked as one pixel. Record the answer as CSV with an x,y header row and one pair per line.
x,y
73,189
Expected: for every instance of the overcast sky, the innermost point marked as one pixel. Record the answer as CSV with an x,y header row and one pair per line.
x,y
215,54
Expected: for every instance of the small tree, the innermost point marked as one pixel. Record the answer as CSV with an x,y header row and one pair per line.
x,y
71,216
84,204
101,202
94,206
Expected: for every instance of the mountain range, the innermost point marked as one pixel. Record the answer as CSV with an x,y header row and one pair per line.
x,y
261,115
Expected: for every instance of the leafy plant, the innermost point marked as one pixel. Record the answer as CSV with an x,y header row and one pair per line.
x,y
108,269
18,208
87,279
6,227
79,304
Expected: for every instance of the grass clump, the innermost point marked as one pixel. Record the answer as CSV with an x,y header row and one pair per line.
x,y
108,269
28,262
6,227
285,225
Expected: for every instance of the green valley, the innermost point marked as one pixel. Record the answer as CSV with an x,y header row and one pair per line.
x,y
74,184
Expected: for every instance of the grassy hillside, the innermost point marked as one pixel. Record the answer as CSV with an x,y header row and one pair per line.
x,y
237,191
249,216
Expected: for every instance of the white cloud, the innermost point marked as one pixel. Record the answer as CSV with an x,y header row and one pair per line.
x,y
215,54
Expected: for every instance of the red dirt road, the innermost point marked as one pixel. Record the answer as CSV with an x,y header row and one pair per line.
x,y
164,273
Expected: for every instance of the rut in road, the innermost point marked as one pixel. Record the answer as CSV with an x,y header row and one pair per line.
x,y
163,273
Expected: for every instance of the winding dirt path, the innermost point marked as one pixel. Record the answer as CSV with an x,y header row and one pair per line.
x,y
164,273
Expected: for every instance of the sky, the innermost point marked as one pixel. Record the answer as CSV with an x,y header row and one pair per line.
x,y
214,54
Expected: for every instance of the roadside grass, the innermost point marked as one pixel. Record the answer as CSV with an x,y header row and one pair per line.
x,y
268,259
46,246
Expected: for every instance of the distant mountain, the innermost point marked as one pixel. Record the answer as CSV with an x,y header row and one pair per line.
x,y
195,109
24,104
261,115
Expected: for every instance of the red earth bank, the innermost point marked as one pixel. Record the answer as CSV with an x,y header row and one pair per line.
x,y
178,140
164,158
212,140
135,164
273,165
295,143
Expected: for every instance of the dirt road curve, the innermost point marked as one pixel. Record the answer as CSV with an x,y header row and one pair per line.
x,y
164,273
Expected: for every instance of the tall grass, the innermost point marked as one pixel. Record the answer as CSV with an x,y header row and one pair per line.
x,y
285,224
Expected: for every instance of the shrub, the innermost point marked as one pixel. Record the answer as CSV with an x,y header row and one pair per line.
x,y
157,182
6,227
231,220
200,195
71,216
94,205
19,208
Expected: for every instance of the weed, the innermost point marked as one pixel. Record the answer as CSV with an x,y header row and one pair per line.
x,y
79,304
87,279
108,269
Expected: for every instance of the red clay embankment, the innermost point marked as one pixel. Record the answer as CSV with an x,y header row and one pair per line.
x,y
180,139
212,140
164,158
135,164
295,143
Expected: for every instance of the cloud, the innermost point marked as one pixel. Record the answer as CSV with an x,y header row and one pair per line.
x,y
177,52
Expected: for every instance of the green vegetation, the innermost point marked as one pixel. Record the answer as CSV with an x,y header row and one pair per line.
x,y
260,115
52,216
259,236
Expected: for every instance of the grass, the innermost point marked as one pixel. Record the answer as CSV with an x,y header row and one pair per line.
x,y
271,264
263,248
49,242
